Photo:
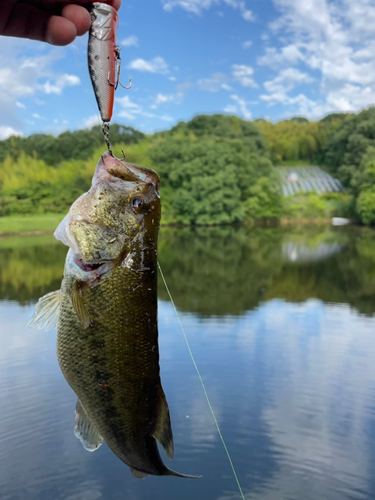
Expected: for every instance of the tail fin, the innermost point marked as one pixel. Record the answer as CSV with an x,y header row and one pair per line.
x,y
170,472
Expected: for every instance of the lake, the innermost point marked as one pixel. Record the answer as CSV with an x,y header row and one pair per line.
x,y
281,324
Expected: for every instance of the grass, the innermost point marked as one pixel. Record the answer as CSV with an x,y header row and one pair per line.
x,y
29,223
313,206
299,207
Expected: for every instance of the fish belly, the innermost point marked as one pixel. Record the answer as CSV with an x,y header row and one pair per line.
x,y
113,365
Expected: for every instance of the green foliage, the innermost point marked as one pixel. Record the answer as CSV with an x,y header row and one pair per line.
x,y
298,140
313,206
366,206
350,155
210,179
214,169
264,200
78,145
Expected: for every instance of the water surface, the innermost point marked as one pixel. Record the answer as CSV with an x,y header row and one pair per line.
x,y
281,323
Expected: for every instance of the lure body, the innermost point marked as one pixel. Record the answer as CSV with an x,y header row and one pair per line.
x,y
102,56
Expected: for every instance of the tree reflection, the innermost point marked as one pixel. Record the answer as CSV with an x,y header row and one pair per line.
x,y
223,270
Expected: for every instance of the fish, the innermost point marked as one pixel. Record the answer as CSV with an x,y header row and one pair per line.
x,y
102,56
106,317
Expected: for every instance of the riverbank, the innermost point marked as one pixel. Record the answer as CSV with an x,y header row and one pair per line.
x,y
29,224
33,225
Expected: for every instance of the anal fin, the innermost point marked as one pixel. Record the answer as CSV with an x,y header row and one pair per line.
x,y
85,430
46,312
138,474
163,430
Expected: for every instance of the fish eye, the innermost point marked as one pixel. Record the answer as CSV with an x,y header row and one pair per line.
x,y
136,203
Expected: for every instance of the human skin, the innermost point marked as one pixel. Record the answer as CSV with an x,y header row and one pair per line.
x,y
51,21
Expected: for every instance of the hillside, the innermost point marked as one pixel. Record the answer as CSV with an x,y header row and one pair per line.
x,y
215,169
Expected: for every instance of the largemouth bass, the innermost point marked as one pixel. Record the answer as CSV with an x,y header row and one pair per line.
x,y
106,314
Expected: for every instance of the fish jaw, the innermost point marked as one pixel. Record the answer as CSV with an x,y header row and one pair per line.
x,y
109,168
123,200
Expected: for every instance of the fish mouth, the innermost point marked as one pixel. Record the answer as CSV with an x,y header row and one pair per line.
x,y
113,170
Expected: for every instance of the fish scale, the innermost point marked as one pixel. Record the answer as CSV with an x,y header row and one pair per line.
x,y
107,333
124,342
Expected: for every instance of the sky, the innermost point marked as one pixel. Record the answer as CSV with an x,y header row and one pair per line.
x,y
253,58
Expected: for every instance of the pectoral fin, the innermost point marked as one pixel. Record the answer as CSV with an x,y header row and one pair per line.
x,y
46,312
85,430
78,304
163,430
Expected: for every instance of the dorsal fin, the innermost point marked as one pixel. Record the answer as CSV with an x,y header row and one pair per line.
x,y
163,430
85,430
46,312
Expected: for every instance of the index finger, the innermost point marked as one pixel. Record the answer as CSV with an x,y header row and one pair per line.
x,y
55,6
116,4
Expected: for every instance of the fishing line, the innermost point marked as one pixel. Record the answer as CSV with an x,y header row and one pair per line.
x,y
182,328
203,385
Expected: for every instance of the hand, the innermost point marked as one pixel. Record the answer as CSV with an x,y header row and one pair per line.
x,y
52,21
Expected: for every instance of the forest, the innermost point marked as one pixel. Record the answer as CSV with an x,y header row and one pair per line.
x,y
215,169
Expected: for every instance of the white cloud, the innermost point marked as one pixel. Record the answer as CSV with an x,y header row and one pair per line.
x,y
156,65
247,44
335,40
198,6
37,116
239,108
244,75
20,105
6,132
130,41
130,110
162,99
279,58
351,97
91,121
183,87
287,80
216,83
21,76
59,84
18,87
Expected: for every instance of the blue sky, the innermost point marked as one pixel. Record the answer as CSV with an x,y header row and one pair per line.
x,y
253,58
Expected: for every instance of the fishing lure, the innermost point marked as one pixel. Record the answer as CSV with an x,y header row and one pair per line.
x,y
104,61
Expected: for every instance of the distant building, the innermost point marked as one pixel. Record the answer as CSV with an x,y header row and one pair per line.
x,y
296,180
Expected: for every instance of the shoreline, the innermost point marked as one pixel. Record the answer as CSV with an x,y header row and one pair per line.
x,y
280,222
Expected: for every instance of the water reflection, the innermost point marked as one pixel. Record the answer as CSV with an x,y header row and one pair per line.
x,y
29,267
303,253
286,349
221,271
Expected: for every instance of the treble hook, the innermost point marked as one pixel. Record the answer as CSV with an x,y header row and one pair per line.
x,y
118,69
